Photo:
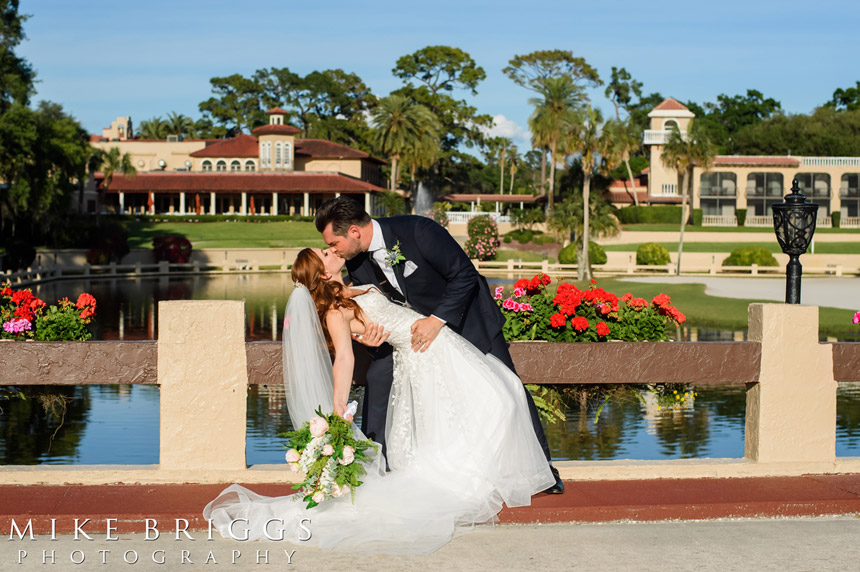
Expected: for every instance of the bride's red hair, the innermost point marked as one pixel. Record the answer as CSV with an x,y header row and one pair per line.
x,y
309,271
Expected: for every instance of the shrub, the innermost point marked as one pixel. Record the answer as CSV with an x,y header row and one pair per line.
x,y
440,213
108,242
749,255
649,215
652,254
173,248
18,255
570,253
836,218
483,238
741,215
697,217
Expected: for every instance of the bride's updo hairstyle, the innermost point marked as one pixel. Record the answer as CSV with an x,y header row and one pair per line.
x,y
308,270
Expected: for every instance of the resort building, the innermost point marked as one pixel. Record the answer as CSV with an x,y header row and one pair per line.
x,y
269,172
750,183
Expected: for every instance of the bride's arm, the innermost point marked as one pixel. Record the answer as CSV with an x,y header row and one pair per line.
x,y
344,360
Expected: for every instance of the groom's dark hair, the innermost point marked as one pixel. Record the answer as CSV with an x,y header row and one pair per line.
x,y
342,213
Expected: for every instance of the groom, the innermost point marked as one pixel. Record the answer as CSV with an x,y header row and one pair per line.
x,y
416,261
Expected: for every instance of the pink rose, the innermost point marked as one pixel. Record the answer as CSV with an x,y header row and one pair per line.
x,y
294,467
340,491
509,304
328,450
318,426
318,497
348,456
293,456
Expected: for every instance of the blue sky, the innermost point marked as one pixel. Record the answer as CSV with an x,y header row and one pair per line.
x,y
105,58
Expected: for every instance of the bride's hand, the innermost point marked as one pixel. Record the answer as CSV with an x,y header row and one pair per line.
x,y
373,337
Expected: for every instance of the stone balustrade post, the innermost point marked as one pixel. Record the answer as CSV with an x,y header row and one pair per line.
x,y
791,411
203,376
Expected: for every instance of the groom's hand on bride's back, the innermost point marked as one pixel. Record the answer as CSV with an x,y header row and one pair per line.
x,y
374,335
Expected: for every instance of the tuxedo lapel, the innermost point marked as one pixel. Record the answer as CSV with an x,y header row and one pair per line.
x,y
390,240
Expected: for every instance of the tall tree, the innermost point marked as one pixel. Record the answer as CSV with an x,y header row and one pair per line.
x,y
532,71
432,75
153,128
16,74
847,99
554,117
237,103
400,125
683,153
620,91
180,125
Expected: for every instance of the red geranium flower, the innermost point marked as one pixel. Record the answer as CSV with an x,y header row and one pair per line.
x,y
660,300
580,323
557,320
22,297
638,303
521,283
85,300
602,329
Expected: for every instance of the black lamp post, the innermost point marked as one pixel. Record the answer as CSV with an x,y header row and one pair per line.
x,y
794,223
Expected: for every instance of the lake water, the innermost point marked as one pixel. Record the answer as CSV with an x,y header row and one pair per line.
x,y
119,424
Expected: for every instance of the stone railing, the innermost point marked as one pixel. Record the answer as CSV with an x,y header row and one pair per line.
x,y
204,367
462,217
716,220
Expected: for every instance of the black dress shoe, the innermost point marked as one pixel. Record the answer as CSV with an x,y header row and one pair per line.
x,y
558,487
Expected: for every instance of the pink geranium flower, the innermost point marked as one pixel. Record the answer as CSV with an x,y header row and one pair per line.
x,y
856,319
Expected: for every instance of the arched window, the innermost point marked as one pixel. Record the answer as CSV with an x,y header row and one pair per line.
x,y
235,165
249,165
262,155
670,124
278,157
206,165
287,156
269,154
221,166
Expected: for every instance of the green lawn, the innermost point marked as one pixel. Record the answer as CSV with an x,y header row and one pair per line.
x,y
773,246
505,254
691,228
227,234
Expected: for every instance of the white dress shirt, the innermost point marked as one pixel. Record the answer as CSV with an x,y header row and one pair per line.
x,y
377,251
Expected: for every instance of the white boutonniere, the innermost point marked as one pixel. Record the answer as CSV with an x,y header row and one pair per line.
x,y
393,256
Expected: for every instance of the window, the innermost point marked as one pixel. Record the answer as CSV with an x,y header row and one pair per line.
x,y
816,187
206,165
670,124
718,185
269,154
287,154
849,190
221,166
765,185
235,165
262,155
278,160
249,165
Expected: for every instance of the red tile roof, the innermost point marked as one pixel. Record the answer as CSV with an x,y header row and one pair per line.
x,y
240,182
272,129
780,161
277,111
242,145
462,198
671,104
323,149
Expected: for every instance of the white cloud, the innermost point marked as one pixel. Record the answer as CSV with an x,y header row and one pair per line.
x,y
504,127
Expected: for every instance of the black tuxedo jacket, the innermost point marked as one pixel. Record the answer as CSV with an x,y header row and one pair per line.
x,y
444,282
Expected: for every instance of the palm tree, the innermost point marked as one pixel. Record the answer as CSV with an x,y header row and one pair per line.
x,y
515,158
178,124
683,152
587,139
628,141
155,128
400,124
420,155
553,117
114,162
94,161
539,142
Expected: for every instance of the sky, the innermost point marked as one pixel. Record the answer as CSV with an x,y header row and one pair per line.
x,y
106,58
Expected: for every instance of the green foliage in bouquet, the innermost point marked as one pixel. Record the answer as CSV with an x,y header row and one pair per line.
x,y
332,459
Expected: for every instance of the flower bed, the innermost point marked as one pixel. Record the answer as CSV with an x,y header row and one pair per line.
x,y
26,317
573,315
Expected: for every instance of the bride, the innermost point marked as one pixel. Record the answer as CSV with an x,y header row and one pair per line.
x,y
460,442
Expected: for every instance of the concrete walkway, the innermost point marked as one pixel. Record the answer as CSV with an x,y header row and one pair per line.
x,y
784,545
829,292
796,529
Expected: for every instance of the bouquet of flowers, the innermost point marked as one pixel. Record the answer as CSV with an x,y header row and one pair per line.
x,y
329,455
532,312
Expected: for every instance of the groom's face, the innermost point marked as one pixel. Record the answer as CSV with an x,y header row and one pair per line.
x,y
347,246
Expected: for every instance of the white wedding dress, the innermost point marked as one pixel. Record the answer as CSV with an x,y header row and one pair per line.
x,y
460,444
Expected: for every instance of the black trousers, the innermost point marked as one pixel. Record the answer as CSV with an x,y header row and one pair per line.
x,y
380,375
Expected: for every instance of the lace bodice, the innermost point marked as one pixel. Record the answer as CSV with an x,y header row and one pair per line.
x,y
396,319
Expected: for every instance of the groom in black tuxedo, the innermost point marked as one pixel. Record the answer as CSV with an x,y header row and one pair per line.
x,y
416,261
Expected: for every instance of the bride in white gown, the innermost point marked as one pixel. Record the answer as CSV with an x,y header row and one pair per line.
x,y
459,435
